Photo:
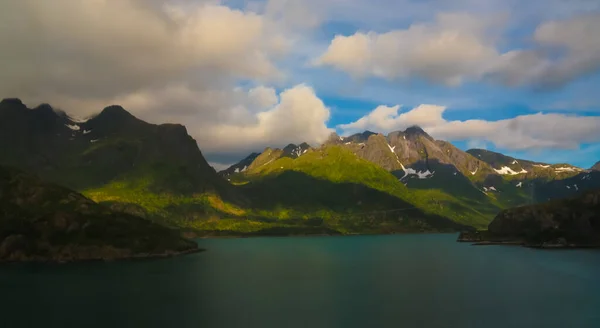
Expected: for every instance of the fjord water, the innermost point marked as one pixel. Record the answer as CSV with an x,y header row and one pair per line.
x,y
358,281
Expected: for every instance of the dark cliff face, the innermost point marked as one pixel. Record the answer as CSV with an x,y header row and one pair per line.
x,y
111,145
573,220
41,221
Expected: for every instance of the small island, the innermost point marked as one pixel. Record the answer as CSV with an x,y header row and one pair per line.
x,y
44,222
566,223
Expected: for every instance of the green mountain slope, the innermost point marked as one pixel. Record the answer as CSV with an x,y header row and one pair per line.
x,y
41,221
337,164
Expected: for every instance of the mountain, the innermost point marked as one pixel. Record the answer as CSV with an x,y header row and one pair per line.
x,y
596,167
338,163
116,158
569,222
41,221
521,169
240,166
421,162
112,145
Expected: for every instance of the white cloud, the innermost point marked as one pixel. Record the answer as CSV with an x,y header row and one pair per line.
x,y
456,47
462,47
237,121
564,51
536,131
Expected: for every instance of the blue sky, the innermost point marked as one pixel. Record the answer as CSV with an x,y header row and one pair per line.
x,y
519,77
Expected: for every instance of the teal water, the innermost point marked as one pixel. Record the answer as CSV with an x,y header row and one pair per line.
x,y
358,281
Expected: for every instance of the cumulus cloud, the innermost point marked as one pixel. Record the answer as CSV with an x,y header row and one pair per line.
x,y
460,47
97,49
564,51
454,48
536,131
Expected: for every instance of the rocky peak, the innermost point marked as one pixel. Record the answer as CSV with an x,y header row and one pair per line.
x,y
295,151
596,166
359,137
415,131
115,112
12,102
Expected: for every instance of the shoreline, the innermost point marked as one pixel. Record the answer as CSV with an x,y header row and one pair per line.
x,y
137,257
323,235
483,238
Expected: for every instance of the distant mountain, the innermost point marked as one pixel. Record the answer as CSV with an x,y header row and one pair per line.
x,y
568,187
524,169
41,221
596,167
240,166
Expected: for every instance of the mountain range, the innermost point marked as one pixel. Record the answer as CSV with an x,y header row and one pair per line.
x,y
364,183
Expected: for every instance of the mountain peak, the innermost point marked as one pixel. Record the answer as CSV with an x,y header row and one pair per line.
x,y
359,137
596,166
295,151
115,111
415,129
46,110
12,102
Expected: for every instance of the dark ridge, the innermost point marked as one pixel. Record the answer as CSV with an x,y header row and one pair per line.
x,y
596,166
173,128
304,145
12,102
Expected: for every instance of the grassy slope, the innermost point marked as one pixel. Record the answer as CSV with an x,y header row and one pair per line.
x,y
329,200
339,165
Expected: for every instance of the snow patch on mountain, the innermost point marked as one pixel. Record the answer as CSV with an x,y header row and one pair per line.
x,y
473,173
505,170
73,127
566,169
420,174
519,185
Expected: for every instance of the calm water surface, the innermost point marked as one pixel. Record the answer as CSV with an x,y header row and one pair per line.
x,y
362,281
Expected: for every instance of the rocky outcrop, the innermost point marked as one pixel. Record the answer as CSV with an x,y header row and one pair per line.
x,y
567,222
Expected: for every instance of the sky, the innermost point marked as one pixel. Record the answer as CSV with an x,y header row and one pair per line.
x,y
521,78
